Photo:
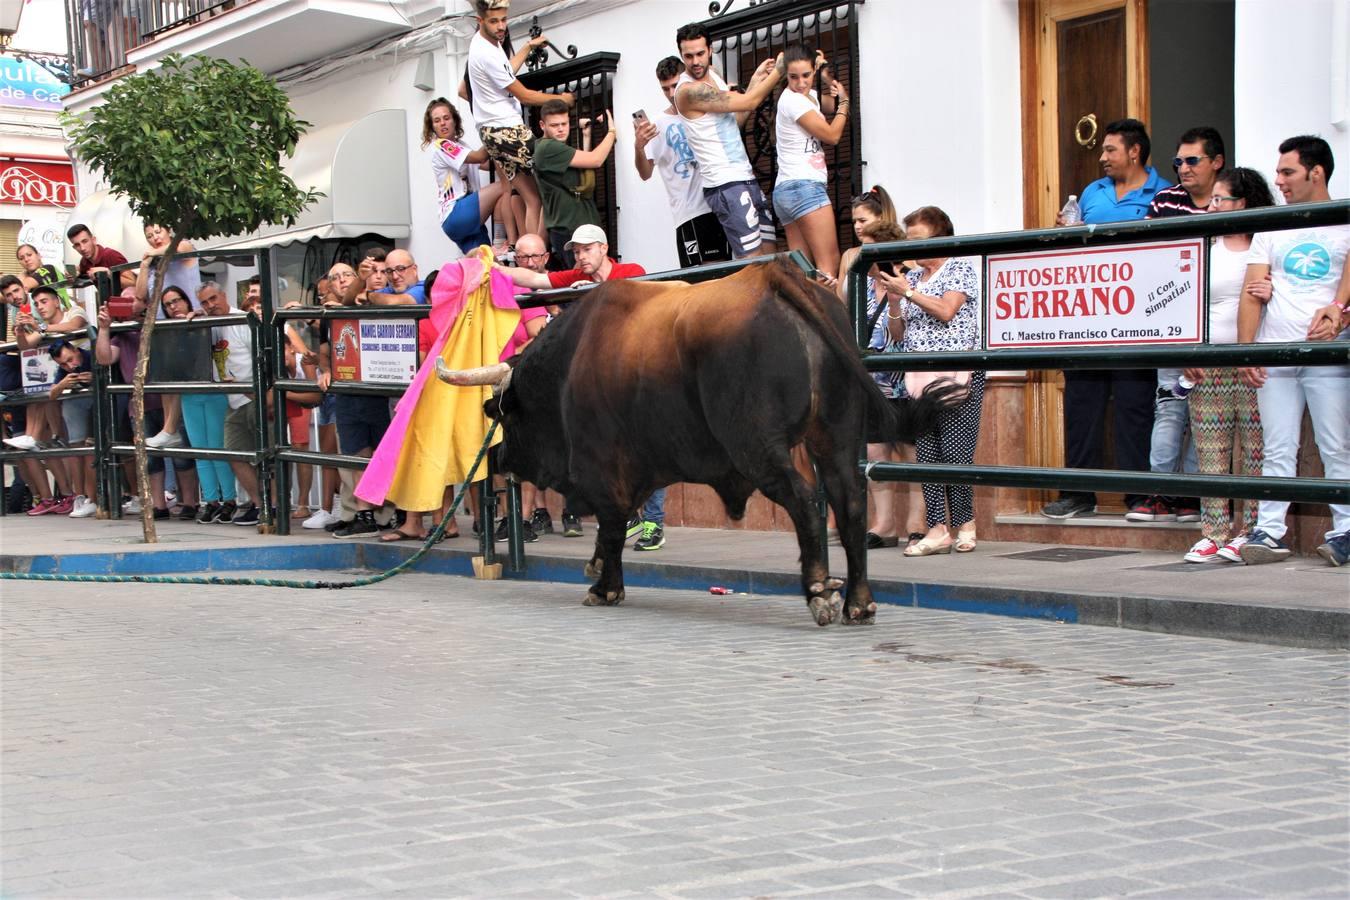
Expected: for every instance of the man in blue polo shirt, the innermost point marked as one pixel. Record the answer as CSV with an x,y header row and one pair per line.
x,y
1122,195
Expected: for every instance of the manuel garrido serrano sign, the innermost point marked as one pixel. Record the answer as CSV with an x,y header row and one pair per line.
x,y
1133,294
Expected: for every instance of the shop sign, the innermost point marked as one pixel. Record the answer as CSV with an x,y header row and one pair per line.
x,y
36,183
48,235
1135,294
25,83
383,351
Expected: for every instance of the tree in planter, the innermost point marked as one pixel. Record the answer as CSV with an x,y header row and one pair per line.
x,y
196,146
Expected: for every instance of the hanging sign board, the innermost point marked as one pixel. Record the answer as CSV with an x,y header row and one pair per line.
x,y
1102,296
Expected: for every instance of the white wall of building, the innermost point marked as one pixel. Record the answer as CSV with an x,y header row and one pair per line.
x,y
941,119
1290,78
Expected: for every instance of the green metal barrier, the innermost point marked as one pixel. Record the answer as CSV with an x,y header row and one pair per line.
x,y
1212,225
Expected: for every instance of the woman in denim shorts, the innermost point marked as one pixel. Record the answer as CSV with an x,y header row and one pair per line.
x,y
799,197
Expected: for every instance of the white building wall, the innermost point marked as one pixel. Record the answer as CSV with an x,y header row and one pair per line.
x,y
941,118
1290,78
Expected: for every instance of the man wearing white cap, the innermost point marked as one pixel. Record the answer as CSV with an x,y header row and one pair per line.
x,y
590,246
591,249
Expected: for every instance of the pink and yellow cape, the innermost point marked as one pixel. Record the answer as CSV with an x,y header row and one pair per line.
x,y
438,428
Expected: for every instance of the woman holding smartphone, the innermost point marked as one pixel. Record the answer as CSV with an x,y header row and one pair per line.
x,y
799,197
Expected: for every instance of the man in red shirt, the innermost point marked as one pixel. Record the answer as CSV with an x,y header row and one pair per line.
x,y
94,258
590,246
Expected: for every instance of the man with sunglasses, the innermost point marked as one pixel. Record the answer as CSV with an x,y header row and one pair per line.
x,y
1198,162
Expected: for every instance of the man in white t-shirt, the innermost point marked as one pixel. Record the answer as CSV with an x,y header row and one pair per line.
x,y
661,145
1306,271
232,353
497,95
712,116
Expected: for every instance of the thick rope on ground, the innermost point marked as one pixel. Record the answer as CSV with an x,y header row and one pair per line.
x,y
408,563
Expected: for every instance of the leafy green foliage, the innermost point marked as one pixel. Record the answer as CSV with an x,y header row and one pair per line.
x,y
196,145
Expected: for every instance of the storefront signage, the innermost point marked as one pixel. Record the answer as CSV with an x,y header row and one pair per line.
x,y
25,83
48,235
383,351
1138,294
36,183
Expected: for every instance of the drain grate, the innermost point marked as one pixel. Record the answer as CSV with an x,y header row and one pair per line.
x,y
1065,554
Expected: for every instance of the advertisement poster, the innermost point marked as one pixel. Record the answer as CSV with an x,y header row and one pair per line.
x,y
382,351
1138,294
39,370
48,235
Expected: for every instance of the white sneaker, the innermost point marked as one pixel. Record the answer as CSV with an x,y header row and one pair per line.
x,y
22,442
322,518
84,507
164,439
132,507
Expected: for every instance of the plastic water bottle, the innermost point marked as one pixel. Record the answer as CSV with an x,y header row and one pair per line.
x,y
1182,388
1072,214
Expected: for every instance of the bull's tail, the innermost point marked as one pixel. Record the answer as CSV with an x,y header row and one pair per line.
x,y
887,421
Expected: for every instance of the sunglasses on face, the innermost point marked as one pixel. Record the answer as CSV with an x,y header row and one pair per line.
x,y
1191,161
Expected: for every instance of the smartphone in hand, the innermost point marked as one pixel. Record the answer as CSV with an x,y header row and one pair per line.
x,y
640,117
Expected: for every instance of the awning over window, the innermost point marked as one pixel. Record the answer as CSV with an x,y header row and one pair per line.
x,y
362,169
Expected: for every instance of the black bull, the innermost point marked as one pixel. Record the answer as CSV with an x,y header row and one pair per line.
x,y
726,383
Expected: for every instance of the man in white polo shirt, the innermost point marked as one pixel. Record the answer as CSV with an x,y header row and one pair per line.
x,y
1306,271
497,95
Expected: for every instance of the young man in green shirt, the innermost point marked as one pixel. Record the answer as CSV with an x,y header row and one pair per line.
x,y
566,175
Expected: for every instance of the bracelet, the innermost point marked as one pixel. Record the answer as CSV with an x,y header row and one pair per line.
x,y
893,318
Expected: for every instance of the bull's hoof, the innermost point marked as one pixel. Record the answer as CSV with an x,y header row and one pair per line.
x,y
858,615
825,607
594,568
612,598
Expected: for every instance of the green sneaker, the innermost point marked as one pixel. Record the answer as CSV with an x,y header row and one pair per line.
x,y
653,537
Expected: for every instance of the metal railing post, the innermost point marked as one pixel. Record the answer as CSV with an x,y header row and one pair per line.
x,y
261,460
275,331
514,533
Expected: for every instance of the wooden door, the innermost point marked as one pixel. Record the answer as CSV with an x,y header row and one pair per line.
x,y
1085,63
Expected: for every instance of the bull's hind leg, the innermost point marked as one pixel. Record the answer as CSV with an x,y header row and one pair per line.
x,y
608,565
785,486
846,489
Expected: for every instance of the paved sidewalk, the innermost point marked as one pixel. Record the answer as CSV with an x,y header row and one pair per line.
x,y
441,737
1302,602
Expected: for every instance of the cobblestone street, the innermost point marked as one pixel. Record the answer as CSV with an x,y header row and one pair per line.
x,y
436,736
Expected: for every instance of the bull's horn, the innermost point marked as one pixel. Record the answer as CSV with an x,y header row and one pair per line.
x,y
481,375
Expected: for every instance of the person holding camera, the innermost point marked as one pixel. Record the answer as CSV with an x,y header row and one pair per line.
x,y
566,175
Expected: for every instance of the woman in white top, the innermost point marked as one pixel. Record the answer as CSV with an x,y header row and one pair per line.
x,y
184,275
463,206
799,197
1222,406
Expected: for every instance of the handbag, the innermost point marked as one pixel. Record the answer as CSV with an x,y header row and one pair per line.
x,y
917,382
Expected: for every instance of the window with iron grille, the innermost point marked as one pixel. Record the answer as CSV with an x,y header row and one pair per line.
x,y
742,39
591,79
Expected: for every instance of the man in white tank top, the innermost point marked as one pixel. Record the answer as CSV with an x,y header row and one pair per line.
x,y
713,116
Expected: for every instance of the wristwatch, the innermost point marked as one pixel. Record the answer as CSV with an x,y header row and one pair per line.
x,y
909,293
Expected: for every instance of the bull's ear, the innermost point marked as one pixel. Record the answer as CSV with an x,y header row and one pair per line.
x,y
500,404
492,407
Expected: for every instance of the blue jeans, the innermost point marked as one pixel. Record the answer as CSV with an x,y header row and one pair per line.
x,y
1172,448
654,510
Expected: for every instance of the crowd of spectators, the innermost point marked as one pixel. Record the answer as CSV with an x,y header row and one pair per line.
x,y
1282,286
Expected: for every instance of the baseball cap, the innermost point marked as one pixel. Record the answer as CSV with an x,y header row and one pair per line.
x,y
587,234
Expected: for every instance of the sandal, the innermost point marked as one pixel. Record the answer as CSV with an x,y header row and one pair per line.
x,y
926,547
399,535
965,542
301,512
913,538
876,541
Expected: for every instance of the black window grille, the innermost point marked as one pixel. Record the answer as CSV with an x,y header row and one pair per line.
x,y
591,79
742,39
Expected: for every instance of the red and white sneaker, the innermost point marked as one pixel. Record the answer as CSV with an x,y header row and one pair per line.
x,y
1232,551
62,506
1204,551
43,507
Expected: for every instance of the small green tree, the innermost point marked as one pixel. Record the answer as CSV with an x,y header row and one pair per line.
x,y
196,146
